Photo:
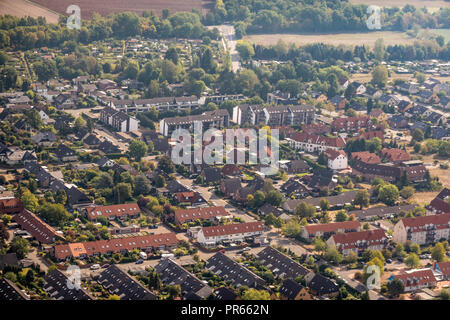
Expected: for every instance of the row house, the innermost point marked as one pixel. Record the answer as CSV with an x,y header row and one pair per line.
x,y
126,210
315,143
212,119
284,98
311,231
358,242
351,124
423,229
119,120
442,269
38,229
10,206
212,236
91,248
395,155
162,104
209,213
273,116
218,99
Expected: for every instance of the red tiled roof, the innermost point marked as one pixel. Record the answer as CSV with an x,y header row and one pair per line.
x,y
366,157
181,216
36,227
116,210
332,227
444,267
417,278
228,229
10,205
333,154
418,224
350,240
114,245
394,154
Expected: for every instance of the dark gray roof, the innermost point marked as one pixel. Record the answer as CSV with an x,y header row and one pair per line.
x,y
382,211
280,264
173,274
321,285
57,288
8,259
9,291
290,289
122,284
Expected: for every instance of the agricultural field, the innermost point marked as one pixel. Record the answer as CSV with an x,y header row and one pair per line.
x,y
366,38
431,5
22,8
442,32
105,7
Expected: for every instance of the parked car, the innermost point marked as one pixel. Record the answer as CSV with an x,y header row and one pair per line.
x,y
95,266
140,261
389,260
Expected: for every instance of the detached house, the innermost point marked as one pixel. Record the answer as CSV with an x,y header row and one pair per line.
x,y
336,160
230,186
64,153
395,155
440,204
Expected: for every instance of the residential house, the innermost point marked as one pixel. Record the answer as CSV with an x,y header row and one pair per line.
x,y
10,291
291,290
338,102
124,244
336,160
182,216
440,204
321,286
267,209
64,153
190,198
120,283
294,187
45,139
297,166
230,186
38,229
423,230
351,124
395,155
314,143
311,231
10,206
170,272
366,157
225,293
443,269
414,280
211,175
121,211
230,270
382,212
55,284
119,120
358,242
231,170
280,264
212,236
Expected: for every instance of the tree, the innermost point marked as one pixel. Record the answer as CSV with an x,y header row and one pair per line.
x,y
137,149
412,260
438,252
142,185
341,216
319,244
45,70
259,199
418,135
4,235
322,159
61,196
20,246
362,199
245,50
80,123
407,192
304,210
54,213
29,201
379,49
399,251
122,192
174,291
333,255
388,194
324,204
292,228
166,164
253,294
274,197
271,220
395,287
380,76
102,181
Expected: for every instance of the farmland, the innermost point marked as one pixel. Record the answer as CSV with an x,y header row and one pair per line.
x,y
431,5
88,7
22,8
367,38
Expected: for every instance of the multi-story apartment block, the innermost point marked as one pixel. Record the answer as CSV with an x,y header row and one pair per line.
x,y
119,120
423,230
211,236
358,242
273,116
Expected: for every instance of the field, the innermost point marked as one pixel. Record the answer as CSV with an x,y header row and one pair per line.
x,y
429,4
367,39
21,8
105,7
442,32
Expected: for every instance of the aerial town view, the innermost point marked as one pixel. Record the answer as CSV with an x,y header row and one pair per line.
x,y
224,150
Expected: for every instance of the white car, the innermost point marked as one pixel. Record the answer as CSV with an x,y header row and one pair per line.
x,y
95,266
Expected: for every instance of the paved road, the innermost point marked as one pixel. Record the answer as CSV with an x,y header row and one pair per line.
x,y
229,41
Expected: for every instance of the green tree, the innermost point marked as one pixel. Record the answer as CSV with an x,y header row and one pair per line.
x,y
362,199
245,50
412,260
166,164
304,210
20,246
438,252
253,294
379,49
29,201
142,185
380,76
418,135
122,192
333,255
45,70
407,192
274,197
61,197
319,244
395,287
341,216
324,204
388,194
54,213
137,149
